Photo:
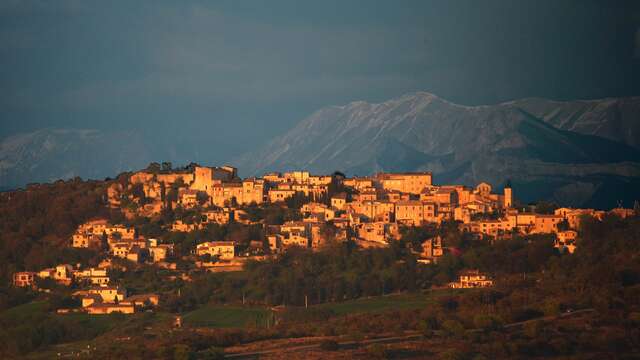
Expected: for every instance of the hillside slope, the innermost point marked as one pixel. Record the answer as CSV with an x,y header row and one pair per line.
x,y
614,119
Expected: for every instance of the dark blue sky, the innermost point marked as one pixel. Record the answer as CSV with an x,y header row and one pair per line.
x,y
230,75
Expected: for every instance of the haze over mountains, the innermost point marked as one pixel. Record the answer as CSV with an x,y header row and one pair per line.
x,y
47,155
584,153
577,153
614,119
50,154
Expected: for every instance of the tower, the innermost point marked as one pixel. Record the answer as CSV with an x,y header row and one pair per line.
x,y
508,196
202,178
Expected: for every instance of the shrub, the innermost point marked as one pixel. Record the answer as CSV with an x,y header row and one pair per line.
x,y
453,328
487,322
182,352
526,314
355,336
430,322
451,354
329,345
560,346
378,351
551,307
533,329
212,353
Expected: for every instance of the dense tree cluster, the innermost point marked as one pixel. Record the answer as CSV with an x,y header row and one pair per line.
x,y
604,272
341,272
36,226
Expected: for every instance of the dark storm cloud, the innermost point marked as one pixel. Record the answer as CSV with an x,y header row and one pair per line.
x,y
637,45
212,70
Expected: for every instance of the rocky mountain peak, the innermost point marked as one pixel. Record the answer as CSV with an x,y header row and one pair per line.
x,y
519,140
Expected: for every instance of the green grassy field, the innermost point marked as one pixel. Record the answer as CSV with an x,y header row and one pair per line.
x,y
222,316
24,312
384,303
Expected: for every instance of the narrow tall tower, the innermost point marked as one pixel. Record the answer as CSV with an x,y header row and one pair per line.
x,y
508,195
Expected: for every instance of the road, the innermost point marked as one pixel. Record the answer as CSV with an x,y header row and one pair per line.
x,y
392,339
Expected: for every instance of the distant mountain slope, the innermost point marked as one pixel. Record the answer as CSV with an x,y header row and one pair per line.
x,y
460,144
614,119
579,153
51,154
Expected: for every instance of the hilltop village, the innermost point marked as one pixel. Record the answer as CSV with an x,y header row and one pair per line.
x,y
219,222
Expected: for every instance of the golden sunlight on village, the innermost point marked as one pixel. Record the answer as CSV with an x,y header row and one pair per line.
x,y
334,179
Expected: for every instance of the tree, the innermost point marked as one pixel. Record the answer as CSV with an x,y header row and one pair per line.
x,y
182,352
153,168
545,207
329,345
172,195
191,167
487,322
202,197
378,351
212,353
453,328
533,329
452,354
296,201
563,225
338,175
137,191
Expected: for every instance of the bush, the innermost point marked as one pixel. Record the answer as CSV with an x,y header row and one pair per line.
x,y
182,352
378,351
329,345
487,322
451,354
453,328
212,353
494,349
533,329
561,346
526,314
448,303
430,322
426,332
551,307
355,336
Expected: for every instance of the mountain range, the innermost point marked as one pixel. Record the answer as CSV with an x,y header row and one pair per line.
x,y
578,153
47,155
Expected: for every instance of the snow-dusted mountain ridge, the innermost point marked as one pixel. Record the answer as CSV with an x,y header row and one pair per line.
x,y
550,148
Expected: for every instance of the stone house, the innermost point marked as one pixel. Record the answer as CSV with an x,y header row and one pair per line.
x,y
469,279
223,249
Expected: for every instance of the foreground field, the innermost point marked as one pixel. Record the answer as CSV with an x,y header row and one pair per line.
x,y
223,316
24,315
405,301
85,329
227,316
